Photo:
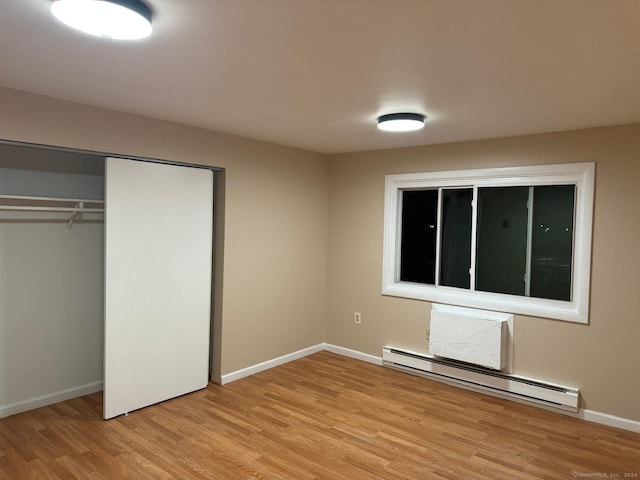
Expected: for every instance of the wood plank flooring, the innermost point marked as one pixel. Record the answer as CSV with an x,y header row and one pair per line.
x,y
320,417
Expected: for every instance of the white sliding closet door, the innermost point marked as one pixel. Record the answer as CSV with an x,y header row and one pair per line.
x,y
158,247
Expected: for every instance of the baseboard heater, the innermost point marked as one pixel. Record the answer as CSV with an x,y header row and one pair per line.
x,y
492,382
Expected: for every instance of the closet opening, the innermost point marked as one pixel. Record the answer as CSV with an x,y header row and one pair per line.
x,y
52,274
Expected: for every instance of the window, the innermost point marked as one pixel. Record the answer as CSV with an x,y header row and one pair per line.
x,y
509,239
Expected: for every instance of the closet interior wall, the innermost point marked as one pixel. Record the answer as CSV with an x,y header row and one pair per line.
x,y
51,280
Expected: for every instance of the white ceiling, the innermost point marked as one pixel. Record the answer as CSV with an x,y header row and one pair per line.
x,y
315,74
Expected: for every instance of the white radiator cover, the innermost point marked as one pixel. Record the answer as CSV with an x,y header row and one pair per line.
x,y
468,335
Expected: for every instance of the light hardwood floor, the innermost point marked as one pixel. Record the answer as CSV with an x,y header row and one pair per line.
x,y
324,416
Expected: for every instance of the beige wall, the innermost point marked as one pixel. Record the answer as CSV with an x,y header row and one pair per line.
x,y
601,359
275,205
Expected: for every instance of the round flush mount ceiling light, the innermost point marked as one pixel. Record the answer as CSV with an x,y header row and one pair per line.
x,y
401,122
116,19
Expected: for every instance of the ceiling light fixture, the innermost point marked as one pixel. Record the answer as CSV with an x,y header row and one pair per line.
x,y
401,122
117,19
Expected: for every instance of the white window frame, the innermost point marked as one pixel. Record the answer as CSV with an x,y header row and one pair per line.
x,y
582,175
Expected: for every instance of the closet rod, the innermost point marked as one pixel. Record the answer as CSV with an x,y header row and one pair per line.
x,y
52,209
54,205
49,199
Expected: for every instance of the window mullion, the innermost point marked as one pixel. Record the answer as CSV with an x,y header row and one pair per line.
x,y
438,236
474,223
527,274
398,232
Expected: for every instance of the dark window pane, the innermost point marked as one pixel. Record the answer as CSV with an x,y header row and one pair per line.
x,y
455,246
552,241
502,239
418,244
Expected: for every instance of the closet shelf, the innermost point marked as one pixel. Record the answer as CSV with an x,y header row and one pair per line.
x,y
75,206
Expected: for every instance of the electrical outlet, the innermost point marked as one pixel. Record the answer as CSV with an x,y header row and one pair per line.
x,y
427,334
357,318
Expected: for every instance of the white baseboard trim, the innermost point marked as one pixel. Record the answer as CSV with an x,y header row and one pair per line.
x,y
260,367
610,420
44,400
347,352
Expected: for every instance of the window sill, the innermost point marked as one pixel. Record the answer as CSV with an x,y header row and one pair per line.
x,y
575,311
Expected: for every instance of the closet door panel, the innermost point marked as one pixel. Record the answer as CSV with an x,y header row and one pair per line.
x,y
158,247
